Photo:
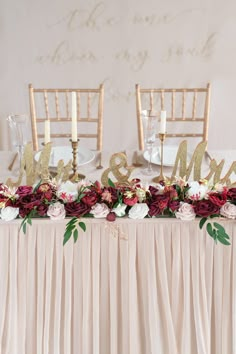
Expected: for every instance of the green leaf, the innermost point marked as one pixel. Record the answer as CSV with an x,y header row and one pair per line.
x,y
80,197
111,184
37,185
202,222
210,230
223,241
82,225
214,216
219,227
67,236
29,221
75,235
24,227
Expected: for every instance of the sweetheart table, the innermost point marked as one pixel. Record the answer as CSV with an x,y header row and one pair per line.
x,y
156,286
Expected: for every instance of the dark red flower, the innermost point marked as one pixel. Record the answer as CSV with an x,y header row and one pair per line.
x,y
111,216
174,205
154,210
130,201
42,209
218,199
76,209
24,190
90,198
205,208
29,201
232,194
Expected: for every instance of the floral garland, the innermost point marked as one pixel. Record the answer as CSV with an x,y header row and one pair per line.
x,y
180,199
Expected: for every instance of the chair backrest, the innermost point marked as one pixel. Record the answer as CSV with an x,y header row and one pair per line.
x,y
187,111
55,105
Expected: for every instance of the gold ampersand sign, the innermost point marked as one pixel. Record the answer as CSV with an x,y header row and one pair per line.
x,y
119,169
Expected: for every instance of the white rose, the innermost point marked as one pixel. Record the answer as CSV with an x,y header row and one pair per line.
x,y
185,212
120,210
9,213
100,210
228,210
138,211
67,191
197,190
56,211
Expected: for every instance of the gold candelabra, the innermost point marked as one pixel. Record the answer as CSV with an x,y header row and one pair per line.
x,y
75,176
161,177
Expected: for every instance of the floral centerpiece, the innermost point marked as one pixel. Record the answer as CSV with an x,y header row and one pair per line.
x,y
180,199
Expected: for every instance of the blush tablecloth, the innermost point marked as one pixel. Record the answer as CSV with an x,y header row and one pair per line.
x,y
157,286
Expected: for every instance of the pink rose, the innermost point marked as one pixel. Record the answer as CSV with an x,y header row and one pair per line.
x,y
228,210
100,210
56,211
185,212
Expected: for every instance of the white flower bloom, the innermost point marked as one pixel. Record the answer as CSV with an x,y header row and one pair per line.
x,y
9,213
67,191
138,211
185,212
197,190
120,210
218,187
100,210
56,211
141,194
228,210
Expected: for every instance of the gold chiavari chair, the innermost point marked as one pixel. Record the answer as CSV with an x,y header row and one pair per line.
x,y
187,111
55,105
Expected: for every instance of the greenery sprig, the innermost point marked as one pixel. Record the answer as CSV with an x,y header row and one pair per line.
x,y
216,231
71,229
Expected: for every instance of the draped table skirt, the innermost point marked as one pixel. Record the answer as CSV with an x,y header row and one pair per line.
x,y
152,286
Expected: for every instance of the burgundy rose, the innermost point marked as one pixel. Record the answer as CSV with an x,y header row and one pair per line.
x,y
24,190
218,199
154,190
154,210
205,208
111,216
90,198
232,194
42,209
173,205
76,209
28,203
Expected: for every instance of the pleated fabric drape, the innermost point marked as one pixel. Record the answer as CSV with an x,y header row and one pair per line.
x,y
157,286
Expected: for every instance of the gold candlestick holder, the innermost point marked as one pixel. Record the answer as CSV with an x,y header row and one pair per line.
x,y
75,176
161,177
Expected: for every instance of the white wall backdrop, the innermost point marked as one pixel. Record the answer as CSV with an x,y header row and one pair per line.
x,y
155,43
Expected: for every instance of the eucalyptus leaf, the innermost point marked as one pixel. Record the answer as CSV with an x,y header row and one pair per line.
x,y
223,241
202,222
75,235
82,225
210,230
111,183
219,227
24,227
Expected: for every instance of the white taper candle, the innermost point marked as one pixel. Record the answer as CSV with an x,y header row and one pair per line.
x,y
163,123
74,133
47,131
